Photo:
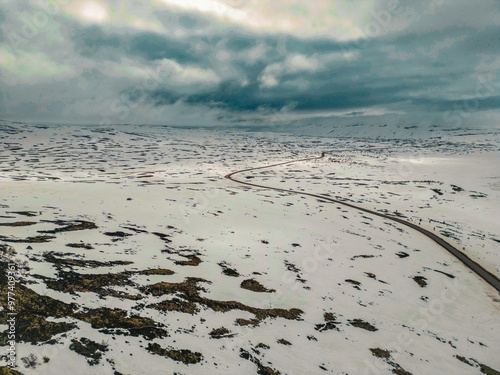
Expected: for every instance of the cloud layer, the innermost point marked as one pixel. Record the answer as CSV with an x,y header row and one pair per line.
x,y
210,62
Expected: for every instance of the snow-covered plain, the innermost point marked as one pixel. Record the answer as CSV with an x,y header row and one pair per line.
x,y
337,290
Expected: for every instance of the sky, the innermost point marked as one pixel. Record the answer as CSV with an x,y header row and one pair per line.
x,y
250,62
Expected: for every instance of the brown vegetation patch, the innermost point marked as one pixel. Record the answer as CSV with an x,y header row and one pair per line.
x,y
463,359
380,353
183,355
117,294
446,274
24,213
385,355
32,312
284,342
261,314
488,370
18,224
117,234
193,261
362,324
354,282
362,256
228,271
484,369
163,237
291,267
106,319
400,371
437,191
70,226
330,323
36,239
72,282
176,304
255,286
189,291
421,281
261,369
7,371
329,317
61,262
188,288
248,322
156,271
220,333
80,246
88,348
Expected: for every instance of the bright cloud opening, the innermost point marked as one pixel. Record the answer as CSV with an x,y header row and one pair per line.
x,y
94,11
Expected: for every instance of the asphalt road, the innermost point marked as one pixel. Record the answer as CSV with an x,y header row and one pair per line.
x,y
472,265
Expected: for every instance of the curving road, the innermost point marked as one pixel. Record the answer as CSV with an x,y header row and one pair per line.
x,y
472,265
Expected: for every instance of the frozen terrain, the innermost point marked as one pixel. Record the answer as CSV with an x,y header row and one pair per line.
x,y
137,256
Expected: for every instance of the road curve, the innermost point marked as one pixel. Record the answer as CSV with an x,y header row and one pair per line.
x,y
472,265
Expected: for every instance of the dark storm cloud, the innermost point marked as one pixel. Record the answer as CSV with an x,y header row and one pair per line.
x,y
373,79
91,40
487,41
